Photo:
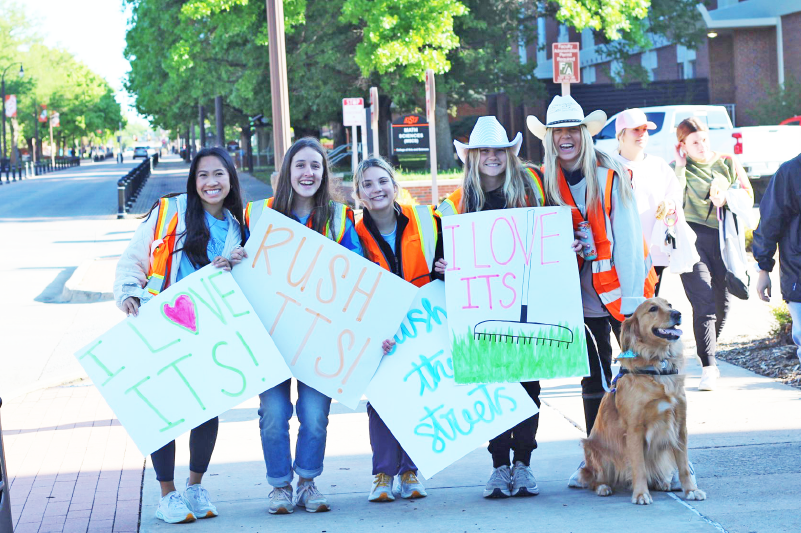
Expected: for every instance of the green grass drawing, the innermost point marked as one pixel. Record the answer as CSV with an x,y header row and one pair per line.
x,y
487,361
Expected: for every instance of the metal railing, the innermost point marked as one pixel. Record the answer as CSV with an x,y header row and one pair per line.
x,y
26,169
129,186
6,523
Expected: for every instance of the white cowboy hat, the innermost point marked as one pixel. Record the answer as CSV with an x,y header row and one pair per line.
x,y
563,113
488,133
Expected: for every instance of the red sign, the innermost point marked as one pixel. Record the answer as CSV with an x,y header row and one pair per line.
x,y
353,112
566,67
43,114
11,105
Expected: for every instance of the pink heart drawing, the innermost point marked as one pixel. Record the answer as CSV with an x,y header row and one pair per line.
x,y
182,312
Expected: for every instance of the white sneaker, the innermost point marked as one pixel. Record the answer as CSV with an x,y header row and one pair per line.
x,y
197,499
308,497
281,500
523,482
499,484
709,378
173,510
574,482
382,489
409,487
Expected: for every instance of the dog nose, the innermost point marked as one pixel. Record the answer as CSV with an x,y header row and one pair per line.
x,y
676,316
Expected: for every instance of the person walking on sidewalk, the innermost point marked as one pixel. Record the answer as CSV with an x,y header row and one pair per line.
x,y
494,178
303,194
780,225
598,190
656,189
706,177
407,241
185,233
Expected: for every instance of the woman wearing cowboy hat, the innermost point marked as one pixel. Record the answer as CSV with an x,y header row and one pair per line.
x,y
598,189
494,178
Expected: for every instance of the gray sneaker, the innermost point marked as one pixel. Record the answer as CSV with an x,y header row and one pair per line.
x,y
197,499
310,498
523,482
281,500
574,482
675,482
499,484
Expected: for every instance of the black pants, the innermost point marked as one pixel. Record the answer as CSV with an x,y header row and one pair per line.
x,y
706,289
201,445
592,388
521,439
659,271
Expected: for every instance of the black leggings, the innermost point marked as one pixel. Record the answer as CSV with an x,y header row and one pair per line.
x,y
201,445
706,289
521,439
592,386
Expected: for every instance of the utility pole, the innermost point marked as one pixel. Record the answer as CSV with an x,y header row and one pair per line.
x,y
218,119
52,148
431,106
35,132
278,82
202,124
3,97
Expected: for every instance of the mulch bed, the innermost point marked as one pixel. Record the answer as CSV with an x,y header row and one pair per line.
x,y
770,357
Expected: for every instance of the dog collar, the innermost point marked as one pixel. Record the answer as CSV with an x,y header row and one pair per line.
x,y
663,370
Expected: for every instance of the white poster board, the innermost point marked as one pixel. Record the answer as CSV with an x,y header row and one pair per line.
x,y
327,309
514,296
435,420
195,351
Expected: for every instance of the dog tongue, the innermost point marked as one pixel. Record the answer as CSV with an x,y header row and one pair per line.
x,y
671,331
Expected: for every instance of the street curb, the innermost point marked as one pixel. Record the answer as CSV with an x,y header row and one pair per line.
x,y
75,294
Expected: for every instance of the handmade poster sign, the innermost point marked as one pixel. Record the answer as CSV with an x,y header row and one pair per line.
x,y
514,298
195,351
327,309
439,422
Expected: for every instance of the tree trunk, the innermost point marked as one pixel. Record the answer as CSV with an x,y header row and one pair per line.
x,y
384,116
445,152
246,134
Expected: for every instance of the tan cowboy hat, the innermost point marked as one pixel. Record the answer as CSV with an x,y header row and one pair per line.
x,y
563,113
487,133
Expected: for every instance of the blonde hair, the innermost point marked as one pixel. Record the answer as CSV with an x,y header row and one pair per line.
x,y
358,177
589,159
516,184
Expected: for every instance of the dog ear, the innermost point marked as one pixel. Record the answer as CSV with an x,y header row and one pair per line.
x,y
628,332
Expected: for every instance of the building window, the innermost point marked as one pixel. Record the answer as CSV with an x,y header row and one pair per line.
x,y
587,39
686,62
588,75
521,49
649,62
563,34
616,70
542,56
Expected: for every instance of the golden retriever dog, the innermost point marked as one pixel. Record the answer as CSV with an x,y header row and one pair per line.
x,y
640,436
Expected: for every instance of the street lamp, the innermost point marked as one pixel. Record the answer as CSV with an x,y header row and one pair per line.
x,y
3,96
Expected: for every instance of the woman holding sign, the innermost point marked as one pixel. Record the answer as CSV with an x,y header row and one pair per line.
x,y
304,194
407,241
605,217
181,234
495,178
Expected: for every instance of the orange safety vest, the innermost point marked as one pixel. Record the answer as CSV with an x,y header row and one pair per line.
x,y
604,274
158,276
452,205
334,228
418,244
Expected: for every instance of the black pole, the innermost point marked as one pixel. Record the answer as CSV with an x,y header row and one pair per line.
x,y
218,118
4,114
202,123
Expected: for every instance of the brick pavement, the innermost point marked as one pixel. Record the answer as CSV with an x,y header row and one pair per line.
x,y
72,466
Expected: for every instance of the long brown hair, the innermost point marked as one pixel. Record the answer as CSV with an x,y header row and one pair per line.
x,y
689,126
282,201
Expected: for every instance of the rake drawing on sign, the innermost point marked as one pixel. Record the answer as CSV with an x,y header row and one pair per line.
x,y
523,331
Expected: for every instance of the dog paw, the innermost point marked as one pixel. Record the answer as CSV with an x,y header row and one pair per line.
x,y
642,499
603,490
697,495
663,486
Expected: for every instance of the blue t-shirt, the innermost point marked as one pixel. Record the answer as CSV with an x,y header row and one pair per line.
x,y
219,232
350,239
390,237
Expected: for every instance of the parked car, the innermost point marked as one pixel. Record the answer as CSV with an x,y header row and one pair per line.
x,y
760,149
140,151
792,121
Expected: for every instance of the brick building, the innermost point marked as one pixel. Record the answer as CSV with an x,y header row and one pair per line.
x,y
750,45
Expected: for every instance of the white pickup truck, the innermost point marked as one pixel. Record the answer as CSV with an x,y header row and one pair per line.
x,y
760,149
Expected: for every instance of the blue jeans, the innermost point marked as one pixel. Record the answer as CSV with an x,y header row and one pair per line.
x,y
274,414
795,312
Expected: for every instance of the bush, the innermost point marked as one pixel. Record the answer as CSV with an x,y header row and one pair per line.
x,y
749,239
784,323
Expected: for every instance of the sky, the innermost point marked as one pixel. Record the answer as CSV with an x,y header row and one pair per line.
x,y
92,30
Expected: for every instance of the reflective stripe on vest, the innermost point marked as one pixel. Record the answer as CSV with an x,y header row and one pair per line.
x,y
604,275
451,204
164,244
338,218
417,259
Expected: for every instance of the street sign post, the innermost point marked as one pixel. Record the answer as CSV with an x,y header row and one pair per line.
x,y
566,69
374,118
431,106
353,116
